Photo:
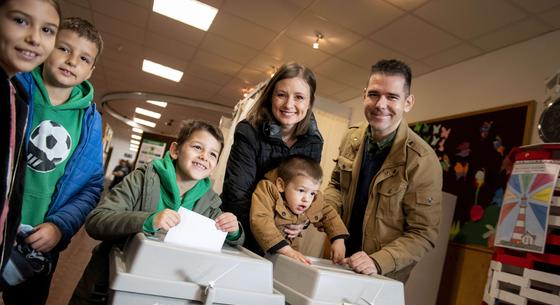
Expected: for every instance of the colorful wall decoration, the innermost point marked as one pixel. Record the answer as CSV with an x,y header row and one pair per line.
x,y
523,218
472,150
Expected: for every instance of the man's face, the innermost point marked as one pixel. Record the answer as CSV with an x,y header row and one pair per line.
x,y
385,101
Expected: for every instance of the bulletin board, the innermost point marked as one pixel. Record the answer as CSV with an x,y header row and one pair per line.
x,y
472,149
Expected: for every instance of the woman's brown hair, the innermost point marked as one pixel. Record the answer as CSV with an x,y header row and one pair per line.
x,y
262,110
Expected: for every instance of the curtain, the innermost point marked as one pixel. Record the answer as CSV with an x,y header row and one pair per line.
x,y
332,127
228,129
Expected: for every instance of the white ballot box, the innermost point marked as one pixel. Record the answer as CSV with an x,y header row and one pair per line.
x,y
152,272
325,283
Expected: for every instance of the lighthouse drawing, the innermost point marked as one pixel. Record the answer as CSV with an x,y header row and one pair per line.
x,y
523,219
520,234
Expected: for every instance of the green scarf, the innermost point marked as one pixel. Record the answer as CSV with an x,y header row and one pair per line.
x,y
169,190
170,197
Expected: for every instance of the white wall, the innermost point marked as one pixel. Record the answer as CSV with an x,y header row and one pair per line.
x,y
510,75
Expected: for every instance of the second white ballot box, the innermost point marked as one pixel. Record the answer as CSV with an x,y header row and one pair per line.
x,y
151,272
325,283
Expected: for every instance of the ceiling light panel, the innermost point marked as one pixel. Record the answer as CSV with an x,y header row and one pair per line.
x,y
135,142
157,103
191,12
137,130
162,71
136,137
146,112
145,122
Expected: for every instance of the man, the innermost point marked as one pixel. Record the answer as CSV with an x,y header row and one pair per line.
x,y
386,184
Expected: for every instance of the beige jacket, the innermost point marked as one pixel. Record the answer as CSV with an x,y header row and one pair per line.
x,y
270,214
402,216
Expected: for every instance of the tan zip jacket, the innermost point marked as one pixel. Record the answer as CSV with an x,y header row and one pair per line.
x,y
402,216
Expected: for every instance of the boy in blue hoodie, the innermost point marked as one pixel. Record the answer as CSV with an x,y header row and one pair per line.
x,y
64,174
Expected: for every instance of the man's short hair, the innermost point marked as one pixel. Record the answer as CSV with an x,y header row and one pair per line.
x,y
84,29
394,67
299,165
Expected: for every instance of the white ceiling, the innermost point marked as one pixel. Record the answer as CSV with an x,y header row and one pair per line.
x,y
248,38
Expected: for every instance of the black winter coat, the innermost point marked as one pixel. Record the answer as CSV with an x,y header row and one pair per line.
x,y
254,152
14,193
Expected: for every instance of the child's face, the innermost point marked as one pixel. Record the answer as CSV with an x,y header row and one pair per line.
x,y
27,34
299,192
71,61
197,157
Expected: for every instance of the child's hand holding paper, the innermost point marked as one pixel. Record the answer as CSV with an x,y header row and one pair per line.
x,y
197,231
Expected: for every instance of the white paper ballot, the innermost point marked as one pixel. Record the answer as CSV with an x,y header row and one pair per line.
x,y
196,231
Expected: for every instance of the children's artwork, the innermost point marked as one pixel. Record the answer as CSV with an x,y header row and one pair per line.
x,y
524,215
471,149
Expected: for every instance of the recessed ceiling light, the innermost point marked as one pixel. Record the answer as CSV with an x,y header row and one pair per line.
x,y
134,145
134,142
136,137
137,130
146,112
157,103
191,12
145,122
133,149
162,71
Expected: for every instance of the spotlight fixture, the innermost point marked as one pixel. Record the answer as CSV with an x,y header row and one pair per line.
x,y
319,37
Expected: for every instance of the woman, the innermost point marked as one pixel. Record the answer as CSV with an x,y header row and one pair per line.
x,y
280,124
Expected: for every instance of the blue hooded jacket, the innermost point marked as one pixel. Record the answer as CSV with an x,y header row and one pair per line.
x,y
79,189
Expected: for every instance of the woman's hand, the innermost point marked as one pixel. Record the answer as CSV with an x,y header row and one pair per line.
x,y
227,222
166,220
293,231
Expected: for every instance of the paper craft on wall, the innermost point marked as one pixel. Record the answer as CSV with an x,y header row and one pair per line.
x,y
523,218
471,149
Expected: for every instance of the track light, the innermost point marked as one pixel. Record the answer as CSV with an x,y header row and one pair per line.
x,y
316,43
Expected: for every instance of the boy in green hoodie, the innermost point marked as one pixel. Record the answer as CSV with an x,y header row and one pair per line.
x,y
64,174
147,201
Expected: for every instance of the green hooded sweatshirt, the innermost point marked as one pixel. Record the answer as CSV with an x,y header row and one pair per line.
x,y
170,197
55,133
